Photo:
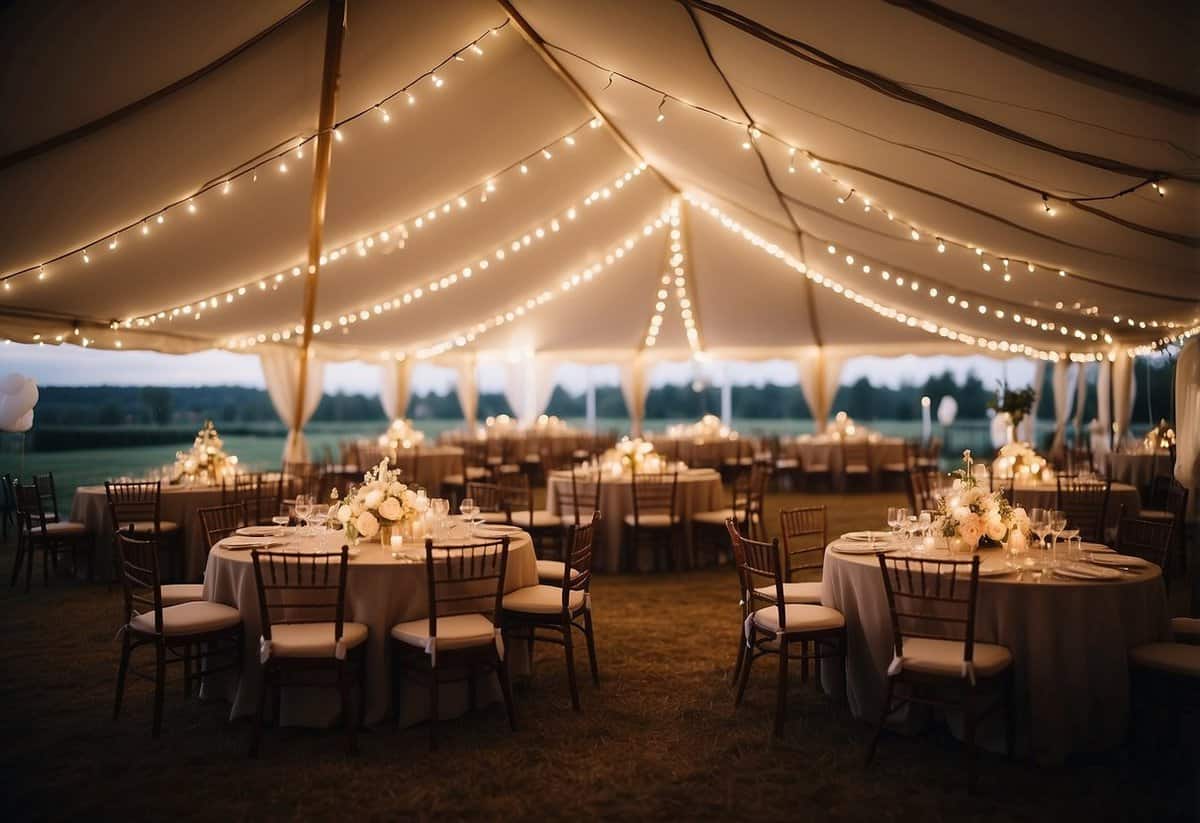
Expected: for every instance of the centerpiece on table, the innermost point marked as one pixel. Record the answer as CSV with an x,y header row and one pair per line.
x,y
500,425
205,462
401,434
1162,436
971,518
632,455
1016,405
549,424
1017,460
841,426
379,506
707,429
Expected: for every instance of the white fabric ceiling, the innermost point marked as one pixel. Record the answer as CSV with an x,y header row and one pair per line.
x,y
63,65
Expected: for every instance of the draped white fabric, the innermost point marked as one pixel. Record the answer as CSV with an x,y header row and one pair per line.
x,y
1187,416
395,387
1124,390
468,390
544,369
1060,382
818,370
281,373
528,384
1102,439
727,394
633,389
1080,397
1027,431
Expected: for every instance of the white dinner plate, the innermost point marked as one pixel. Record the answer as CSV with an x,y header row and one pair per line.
x,y
865,537
862,548
258,531
1086,571
1114,559
236,543
497,530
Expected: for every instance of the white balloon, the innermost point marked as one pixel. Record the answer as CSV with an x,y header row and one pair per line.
x,y
947,410
11,383
23,424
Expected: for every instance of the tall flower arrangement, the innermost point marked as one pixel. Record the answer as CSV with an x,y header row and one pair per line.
x,y
632,455
382,500
401,434
205,461
975,516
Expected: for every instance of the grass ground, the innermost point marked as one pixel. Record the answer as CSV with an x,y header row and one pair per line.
x,y
660,737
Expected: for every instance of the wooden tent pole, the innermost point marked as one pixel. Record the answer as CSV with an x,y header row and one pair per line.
x,y
335,28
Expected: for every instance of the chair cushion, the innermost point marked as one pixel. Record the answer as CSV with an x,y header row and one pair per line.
x,y
551,571
651,521
458,631
816,468
175,593
1155,514
787,463
894,467
541,519
1186,629
541,600
189,618
64,528
795,592
857,469
453,480
1175,658
945,657
313,639
799,617
147,526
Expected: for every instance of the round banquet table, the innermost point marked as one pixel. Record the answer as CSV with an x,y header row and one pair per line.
x,y
699,490
1069,640
380,592
1135,468
688,448
1045,496
823,450
179,504
434,463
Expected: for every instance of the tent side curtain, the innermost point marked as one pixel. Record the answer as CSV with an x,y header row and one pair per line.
x,y
1062,403
1124,390
395,387
1187,418
281,373
819,370
468,389
528,385
632,374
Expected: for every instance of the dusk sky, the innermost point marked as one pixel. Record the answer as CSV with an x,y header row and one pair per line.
x,y
74,366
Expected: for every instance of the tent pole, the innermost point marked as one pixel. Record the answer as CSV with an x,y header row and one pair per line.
x,y
335,28
539,45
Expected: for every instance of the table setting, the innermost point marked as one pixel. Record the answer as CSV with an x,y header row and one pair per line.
x,y
1068,610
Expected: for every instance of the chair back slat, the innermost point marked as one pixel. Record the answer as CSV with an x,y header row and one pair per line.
x,y
759,567
577,571
31,514
931,599
295,587
582,496
1085,503
856,452
218,522
260,492
516,495
466,579
49,493
131,501
487,496
1147,539
654,493
804,538
141,584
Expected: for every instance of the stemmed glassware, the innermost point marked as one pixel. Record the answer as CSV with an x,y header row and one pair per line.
x,y
440,507
1058,524
304,508
1039,521
469,510
896,517
925,523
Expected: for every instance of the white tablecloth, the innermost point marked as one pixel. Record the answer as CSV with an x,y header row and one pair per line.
x,y
433,464
1069,640
824,450
698,490
380,592
1135,468
179,504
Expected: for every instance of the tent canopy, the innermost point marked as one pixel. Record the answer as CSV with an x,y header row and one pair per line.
x,y
938,127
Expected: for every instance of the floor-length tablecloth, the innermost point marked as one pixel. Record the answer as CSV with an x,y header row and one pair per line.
x,y
1070,642
698,490
1135,468
179,505
380,592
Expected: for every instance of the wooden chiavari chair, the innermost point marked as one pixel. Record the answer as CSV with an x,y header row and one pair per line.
x,y
928,456
856,460
1148,539
773,625
49,494
137,506
803,532
472,467
218,522
1164,679
261,494
490,500
205,637
705,455
35,530
517,509
748,496
899,470
305,634
367,456
814,467
557,607
577,502
653,521
1172,508
1086,505
300,478
462,636
8,506
936,659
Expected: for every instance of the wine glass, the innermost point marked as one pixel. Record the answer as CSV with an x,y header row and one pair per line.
x,y
303,510
469,510
896,516
1058,523
925,523
440,507
911,524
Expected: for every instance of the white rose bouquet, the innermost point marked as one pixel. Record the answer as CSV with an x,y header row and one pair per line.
x,y
976,516
1018,459
633,455
381,501
401,434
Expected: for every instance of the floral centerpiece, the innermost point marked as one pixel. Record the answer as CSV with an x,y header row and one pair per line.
x,y
1016,405
381,503
205,462
499,426
1162,436
842,425
636,455
401,434
971,517
708,428
549,424
1018,459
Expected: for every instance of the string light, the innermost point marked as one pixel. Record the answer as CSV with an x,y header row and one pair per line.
x,y
398,234
661,114
412,295
1046,207
251,167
